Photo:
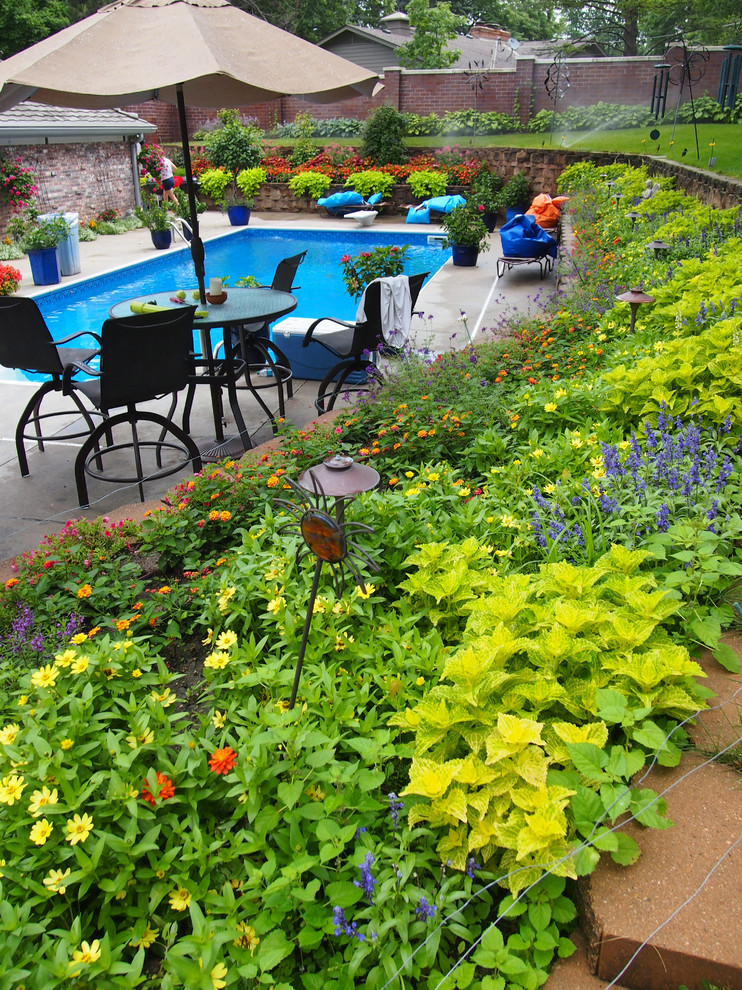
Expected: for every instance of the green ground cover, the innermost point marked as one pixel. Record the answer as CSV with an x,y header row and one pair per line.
x,y
557,534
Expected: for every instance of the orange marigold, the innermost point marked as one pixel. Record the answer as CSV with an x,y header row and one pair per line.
x,y
223,760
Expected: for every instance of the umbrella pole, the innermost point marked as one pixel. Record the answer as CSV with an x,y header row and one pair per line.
x,y
197,245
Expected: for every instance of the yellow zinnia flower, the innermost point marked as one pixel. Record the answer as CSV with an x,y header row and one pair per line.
x,y
87,953
217,976
179,899
44,676
147,938
79,828
39,799
11,788
40,831
8,734
55,881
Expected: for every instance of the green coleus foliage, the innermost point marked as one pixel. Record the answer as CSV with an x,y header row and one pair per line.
x,y
699,375
561,684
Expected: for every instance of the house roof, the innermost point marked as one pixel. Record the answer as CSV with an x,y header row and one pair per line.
x,y
488,52
30,120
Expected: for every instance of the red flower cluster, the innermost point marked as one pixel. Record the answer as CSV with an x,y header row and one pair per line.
x,y
166,789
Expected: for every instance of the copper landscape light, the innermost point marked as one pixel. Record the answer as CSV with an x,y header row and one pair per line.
x,y
635,298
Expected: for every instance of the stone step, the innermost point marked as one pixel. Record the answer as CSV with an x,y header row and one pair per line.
x,y
683,897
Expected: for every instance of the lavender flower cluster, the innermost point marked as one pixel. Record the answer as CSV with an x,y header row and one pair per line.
x,y
678,471
27,641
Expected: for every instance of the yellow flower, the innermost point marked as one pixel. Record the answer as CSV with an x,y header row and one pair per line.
x,y
420,681
537,453
66,744
55,881
11,788
226,640
87,953
8,734
370,589
64,659
179,899
217,976
148,936
319,607
209,637
315,793
44,676
550,407
248,939
411,492
85,591
23,700
136,673
40,831
40,799
166,699
80,665
409,474
216,661
433,476
219,718
79,638
463,492
275,604
79,828
224,598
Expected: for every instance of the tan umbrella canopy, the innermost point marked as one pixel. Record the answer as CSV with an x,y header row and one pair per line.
x,y
201,53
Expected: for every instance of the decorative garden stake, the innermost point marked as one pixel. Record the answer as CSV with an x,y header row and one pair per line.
x,y
635,298
324,537
556,85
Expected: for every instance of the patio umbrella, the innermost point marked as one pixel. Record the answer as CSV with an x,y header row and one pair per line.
x,y
199,53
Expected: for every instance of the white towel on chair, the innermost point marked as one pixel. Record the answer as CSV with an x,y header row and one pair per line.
x,y
395,308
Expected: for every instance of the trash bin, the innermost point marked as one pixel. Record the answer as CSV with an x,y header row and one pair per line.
x,y
69,249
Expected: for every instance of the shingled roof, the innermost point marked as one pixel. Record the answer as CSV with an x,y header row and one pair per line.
x,y
35,121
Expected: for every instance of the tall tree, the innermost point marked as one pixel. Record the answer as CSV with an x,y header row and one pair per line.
x,y
434,27
522,18
24,22
613,23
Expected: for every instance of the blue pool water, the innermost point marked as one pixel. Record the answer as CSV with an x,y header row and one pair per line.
x,y
252,251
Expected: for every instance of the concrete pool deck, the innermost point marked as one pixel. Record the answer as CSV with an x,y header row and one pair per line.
x,y
41,503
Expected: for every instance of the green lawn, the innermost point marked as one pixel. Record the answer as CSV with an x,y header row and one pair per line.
x,y
727,147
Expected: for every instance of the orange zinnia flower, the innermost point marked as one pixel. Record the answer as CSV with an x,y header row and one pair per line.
x,y
223,760
166,789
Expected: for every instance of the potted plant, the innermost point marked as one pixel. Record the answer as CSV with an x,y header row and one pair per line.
x,y
157,218
40,240
514,196
485,197
239,196
466,235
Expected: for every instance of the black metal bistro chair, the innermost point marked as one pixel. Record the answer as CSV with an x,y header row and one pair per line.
x,y
27,345
257,353
141,358
356,344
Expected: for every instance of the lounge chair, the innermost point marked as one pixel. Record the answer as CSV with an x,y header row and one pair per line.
x,y
383,318
342,203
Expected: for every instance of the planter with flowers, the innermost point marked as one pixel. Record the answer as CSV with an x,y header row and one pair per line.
x,y
466,235
485,197
157,218
41,240
9,279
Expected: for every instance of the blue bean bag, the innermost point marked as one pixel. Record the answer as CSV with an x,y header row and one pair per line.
x,y
438,204
522,237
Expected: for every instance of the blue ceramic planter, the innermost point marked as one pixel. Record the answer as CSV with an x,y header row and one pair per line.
x,y
161,239
464,255
44,266
239,216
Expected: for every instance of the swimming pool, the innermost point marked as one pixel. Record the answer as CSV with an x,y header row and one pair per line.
x,y
84,305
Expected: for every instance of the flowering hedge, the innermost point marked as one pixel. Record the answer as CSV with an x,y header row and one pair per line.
x,y
17,184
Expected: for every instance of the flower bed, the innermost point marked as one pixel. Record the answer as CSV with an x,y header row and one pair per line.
x,y
469,719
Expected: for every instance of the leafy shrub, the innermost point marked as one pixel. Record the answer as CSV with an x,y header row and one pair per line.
x,y
370,181
425,182
234,145
343,127
314,184
477,122
573,676
383,137
417,126
381,262
214,182
249,181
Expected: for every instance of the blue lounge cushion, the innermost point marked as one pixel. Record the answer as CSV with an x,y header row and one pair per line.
x,y
340,199
439,204
374,199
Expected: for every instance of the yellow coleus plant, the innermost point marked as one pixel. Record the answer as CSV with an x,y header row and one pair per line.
x,y
519,702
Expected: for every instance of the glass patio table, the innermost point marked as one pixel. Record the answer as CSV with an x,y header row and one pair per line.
x,y
241,307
